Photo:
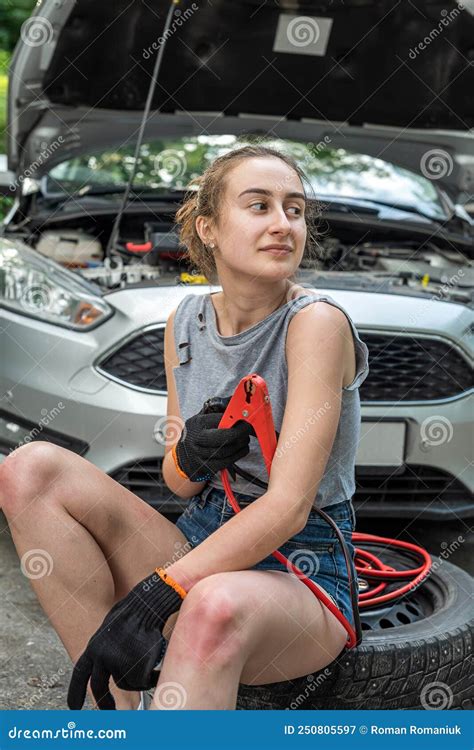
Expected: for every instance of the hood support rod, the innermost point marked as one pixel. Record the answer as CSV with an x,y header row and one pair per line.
x,y
116,227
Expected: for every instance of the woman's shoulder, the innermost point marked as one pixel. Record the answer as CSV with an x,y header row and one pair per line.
x,y
297,292
311,300
325,320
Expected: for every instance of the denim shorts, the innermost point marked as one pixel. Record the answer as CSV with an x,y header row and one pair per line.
x,y
315,550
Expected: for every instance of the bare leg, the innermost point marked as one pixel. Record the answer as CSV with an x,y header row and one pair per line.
x,y
204,659
79,591
193,688
97,540
250,627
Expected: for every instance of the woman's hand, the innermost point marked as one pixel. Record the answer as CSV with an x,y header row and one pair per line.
x,y
128,644
203,449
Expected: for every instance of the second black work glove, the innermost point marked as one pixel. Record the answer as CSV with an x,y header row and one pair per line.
x,y
203,449
128,644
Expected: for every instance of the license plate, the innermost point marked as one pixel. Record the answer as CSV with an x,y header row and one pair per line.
x,y
381,444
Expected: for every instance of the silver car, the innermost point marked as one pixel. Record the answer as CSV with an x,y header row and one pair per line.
x,y
85,298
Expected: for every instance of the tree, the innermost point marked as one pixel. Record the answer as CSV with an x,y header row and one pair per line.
x,y
12,14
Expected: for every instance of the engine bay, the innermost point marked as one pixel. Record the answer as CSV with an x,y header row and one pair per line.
x,y
148,251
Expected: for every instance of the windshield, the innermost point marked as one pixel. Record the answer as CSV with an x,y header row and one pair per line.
x,y
169,164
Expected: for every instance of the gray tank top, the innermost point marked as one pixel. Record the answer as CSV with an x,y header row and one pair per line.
x,y
213,365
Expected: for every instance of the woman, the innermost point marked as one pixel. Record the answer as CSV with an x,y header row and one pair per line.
x,y
219,610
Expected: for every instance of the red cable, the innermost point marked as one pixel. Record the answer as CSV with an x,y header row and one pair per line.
x,y
352,638
366,563
251,403
386,572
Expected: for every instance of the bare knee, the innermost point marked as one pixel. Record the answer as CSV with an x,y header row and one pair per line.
x,y
211,622
27,472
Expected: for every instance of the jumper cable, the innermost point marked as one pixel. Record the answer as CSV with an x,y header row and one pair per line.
x,y
251,403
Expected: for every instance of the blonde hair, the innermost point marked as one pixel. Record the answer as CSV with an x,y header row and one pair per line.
x,y
206,201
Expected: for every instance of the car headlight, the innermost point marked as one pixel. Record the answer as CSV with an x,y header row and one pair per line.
x,y
33,285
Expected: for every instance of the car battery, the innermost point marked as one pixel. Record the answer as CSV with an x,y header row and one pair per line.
x,y
161,244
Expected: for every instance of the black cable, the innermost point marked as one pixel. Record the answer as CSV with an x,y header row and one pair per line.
x,y
353,593
151,90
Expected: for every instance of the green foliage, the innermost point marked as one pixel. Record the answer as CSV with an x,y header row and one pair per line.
x,y
4,62
12,14
3,112
5,203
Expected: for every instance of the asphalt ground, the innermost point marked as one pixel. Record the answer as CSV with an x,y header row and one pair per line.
x,y
34,666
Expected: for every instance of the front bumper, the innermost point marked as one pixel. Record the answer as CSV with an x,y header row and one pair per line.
x,y
48,388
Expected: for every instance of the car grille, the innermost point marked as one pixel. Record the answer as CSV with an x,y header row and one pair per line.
x,y
145,479
412,491
405,368
139,362
402,368
416,490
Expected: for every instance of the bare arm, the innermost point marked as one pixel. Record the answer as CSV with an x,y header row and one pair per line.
x,y
184,488
315,378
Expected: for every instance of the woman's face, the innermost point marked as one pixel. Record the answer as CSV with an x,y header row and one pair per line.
x,y
262,207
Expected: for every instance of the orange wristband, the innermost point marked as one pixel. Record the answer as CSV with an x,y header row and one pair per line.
x,y
178,468
171,582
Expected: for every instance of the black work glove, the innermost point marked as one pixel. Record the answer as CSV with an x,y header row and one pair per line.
x,y
127,646
203,449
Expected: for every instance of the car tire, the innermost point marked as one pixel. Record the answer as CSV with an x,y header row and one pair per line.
x,y
421,664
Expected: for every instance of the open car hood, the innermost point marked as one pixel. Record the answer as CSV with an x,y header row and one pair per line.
x,y
351,71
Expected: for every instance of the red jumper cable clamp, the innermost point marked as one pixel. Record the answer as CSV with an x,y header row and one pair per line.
x,y
251,403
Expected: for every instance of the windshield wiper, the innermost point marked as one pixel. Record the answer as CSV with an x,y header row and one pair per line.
x,y
65,196
409,208
359,206
346,208
99,190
